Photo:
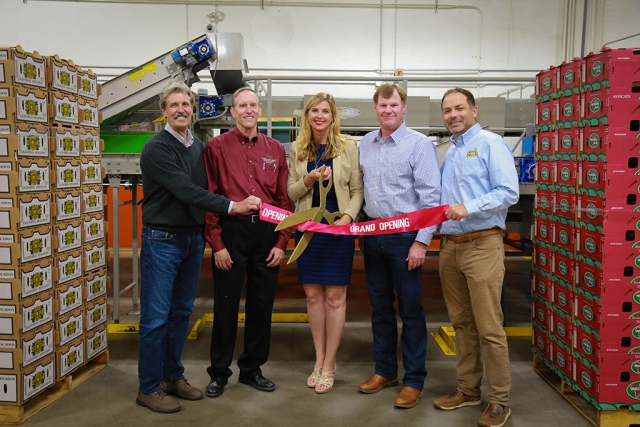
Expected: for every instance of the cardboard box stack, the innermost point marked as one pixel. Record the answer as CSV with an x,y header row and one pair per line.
x,y
49,157
591,336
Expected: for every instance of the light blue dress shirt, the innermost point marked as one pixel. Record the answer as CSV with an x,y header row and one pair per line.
x,y
479,172
179,137
401,175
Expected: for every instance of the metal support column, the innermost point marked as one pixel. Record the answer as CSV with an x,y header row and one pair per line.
x,y
114,183
134,243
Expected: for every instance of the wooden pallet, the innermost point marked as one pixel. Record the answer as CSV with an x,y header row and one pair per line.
x,y
18,414
619,418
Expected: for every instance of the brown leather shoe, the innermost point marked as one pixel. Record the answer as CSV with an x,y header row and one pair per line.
x,y
377,383
408,397
158,401
494,416
456,400
182,389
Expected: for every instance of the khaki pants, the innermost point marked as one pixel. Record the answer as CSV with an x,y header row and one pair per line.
x,y
471,274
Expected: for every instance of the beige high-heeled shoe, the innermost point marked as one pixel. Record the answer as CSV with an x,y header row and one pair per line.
x,y
325,383
313,379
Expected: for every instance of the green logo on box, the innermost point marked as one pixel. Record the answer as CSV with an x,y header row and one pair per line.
x,y
633,390
562,268
593,176
564,237
596,69
588,279
540,343
544,202
635,367
565,174
591,210
562,298
541,316
567,110
560,359
564,205
561,330
546,144
546,114
543,230
637,262
636,297
594,140
568,76
546,83
544,173
636,332
595,105
586,346
543,259
587,313
590,245
542,287
567,141
586,379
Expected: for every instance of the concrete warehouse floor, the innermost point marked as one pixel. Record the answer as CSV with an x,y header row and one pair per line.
x,y
108,398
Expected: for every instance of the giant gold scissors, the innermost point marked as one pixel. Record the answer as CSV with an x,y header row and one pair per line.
x,y
312,214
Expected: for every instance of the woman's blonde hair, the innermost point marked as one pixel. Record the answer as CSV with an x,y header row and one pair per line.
x,y
336,144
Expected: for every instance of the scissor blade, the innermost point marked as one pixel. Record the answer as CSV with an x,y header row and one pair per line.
x,y
297,218
301,246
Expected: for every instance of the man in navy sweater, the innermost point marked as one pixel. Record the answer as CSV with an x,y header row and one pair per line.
x,y
173,210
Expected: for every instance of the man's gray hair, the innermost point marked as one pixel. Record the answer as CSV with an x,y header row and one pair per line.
x,y
174,87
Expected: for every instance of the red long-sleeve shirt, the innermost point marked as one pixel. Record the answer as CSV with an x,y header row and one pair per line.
x,y
238,167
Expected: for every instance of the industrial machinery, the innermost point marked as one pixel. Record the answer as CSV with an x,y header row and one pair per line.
x,y
133,98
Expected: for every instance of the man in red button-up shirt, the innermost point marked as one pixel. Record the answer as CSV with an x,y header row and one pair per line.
x,y
239,162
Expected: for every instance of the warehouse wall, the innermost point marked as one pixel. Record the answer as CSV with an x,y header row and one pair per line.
x,y
485,37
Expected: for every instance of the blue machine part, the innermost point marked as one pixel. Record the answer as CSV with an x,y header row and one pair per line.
x,y
193,52
527,169
209,105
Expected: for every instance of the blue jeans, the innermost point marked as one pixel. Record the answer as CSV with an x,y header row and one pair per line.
x,y
387,275
170,268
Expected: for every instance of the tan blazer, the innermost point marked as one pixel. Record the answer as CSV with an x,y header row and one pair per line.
x,y
347,180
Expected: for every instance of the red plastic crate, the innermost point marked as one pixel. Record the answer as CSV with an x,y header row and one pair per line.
x,y
545,171
543,228
561,326
566,176
613,106
610,67
545,116
540,341
564,235
591,204
562,298
544,200
541,285
544,146
604,143
541,312
568,78
568,111
546,85
567,141
561,357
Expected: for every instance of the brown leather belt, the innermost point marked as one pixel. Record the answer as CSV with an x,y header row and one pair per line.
x,y
464,238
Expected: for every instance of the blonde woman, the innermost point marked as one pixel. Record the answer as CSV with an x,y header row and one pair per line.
x,y
324,268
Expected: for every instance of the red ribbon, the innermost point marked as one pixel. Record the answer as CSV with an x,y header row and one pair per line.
x,y
411,221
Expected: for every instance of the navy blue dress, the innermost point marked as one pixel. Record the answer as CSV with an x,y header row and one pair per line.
x,y
328,259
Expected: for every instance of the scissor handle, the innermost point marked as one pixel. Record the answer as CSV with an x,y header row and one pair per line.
x,y
324,189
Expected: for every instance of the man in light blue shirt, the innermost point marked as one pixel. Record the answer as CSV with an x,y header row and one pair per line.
x,y
401,175
479,182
